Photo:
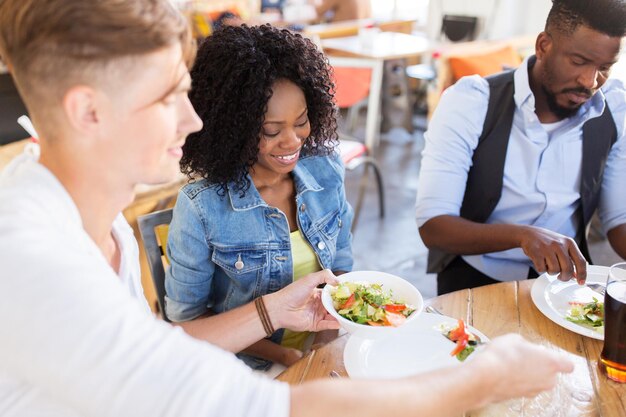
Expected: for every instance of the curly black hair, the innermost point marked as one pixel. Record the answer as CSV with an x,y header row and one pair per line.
x,y
605,16
232,82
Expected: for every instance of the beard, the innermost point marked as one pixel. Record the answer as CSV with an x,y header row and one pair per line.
x,y
558,110
549,79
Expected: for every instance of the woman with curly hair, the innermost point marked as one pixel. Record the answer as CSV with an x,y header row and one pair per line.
x,y
266,204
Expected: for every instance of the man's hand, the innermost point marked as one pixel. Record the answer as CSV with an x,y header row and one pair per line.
x,y
298,306
504,364
554,253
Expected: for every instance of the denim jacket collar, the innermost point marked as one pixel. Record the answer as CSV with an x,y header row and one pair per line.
x,y
302,178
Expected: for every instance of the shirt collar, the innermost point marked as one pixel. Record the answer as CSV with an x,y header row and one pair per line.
x,y
524,95
302,178
44,184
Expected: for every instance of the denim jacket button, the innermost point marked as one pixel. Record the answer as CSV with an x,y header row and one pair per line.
x,y
321,246
303,207
239,264
339,222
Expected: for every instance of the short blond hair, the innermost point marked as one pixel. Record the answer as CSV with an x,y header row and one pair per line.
x,y
52,45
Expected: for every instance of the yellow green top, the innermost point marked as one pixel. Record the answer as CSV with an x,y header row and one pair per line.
x,y
304,262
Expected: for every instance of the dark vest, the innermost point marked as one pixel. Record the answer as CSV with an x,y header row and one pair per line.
x,y
484,180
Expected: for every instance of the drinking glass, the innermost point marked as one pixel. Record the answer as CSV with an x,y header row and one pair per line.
x,y
613,356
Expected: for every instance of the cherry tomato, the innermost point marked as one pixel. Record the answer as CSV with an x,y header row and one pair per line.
x,y
349,302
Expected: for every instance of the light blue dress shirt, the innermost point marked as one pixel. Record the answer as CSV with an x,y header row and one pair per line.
x,y
542,173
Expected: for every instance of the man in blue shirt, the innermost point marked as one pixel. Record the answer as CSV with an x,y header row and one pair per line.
x,y
515,166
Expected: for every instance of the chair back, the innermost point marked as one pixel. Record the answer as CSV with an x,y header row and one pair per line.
x,y
154,228
352,85
357,79
459,28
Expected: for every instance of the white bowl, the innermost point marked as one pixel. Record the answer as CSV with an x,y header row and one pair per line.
x,y
402,291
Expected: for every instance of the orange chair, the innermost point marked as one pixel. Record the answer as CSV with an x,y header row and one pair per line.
x,y
359,81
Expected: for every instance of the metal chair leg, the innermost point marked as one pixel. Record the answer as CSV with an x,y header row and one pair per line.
x,y
381,189
367,161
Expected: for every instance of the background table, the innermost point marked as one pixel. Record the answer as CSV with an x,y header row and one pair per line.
x,y
351,27
395,51
496,310
383,45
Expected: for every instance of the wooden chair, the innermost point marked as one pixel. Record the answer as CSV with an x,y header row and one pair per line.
x,y
154,228
358,80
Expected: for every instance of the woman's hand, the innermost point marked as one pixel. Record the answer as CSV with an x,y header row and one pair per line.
x,y
298,306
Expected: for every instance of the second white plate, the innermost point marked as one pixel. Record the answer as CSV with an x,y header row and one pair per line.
x,y
416,347
552,297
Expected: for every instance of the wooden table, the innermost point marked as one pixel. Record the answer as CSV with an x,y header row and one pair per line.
x,y
496,310
395,50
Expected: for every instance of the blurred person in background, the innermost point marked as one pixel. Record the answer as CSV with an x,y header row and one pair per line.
x,y
339,10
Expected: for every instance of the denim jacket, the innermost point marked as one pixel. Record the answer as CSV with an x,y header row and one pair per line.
x,y
225,251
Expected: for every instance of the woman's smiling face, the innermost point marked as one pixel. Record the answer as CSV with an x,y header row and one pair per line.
x,y
284,130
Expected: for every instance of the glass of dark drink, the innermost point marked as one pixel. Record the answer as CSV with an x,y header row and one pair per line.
x,y
613,356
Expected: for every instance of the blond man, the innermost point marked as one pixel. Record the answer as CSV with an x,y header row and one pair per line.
x,y
105,83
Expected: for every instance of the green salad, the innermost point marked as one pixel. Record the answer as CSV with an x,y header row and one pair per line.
x,y
369,304
466,342
587,314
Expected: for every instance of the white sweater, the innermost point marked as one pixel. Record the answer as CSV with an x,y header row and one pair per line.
x,y
76,339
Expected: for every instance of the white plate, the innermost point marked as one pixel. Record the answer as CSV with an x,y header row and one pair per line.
x,y
416,347
552,298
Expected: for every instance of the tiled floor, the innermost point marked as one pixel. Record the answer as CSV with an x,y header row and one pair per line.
x,y
393,244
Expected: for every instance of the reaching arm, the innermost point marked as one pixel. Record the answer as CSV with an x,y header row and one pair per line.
x,y
498,373
457,235
296,307
617,238
549,251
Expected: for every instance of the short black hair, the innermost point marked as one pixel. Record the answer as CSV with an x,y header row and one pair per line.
x,y
232,82
605,16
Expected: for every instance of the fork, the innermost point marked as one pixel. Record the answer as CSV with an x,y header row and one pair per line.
x,y
599,288
431,309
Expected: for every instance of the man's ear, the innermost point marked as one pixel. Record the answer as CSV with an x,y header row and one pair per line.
x,y
543,45
80,105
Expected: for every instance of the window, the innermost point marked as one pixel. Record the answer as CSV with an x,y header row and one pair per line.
x,y
401,9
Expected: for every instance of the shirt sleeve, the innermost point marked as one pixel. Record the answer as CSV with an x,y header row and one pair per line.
x,y
83,342
612,206
188,279
451,139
